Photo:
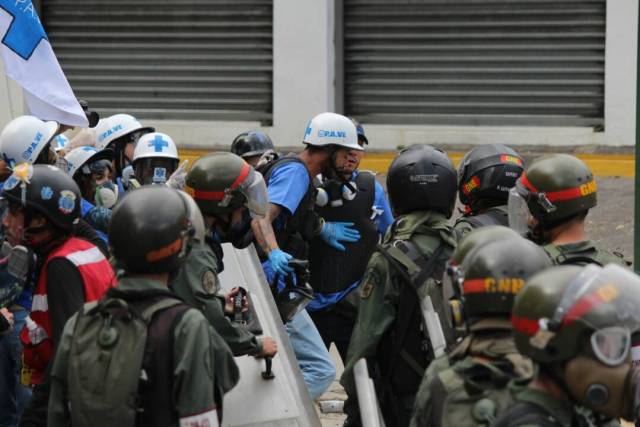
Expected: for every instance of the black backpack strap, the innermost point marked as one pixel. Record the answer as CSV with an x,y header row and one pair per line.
x,y
156,382
486,219
526,413
267,169
408,303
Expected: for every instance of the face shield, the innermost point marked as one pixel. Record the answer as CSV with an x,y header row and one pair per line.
x,y
255,193
607,300
519,214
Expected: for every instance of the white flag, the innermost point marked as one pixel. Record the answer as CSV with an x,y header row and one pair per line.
x,y
30,61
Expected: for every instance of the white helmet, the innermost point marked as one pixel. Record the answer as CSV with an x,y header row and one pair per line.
x,y
116,126
24,137
60,141
332,129
155,144
78,157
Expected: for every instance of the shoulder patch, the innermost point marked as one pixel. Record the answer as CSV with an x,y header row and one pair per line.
x,y
366,290
371,279
209,282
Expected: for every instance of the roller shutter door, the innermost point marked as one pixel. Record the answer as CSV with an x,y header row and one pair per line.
x,y
477,62
175,59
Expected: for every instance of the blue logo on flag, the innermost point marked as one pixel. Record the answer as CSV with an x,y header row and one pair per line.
x,y
158,143
25,32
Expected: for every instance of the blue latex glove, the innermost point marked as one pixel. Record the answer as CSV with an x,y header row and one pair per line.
x,y
279,262
335,232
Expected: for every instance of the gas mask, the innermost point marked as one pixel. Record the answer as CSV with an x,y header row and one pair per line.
x,y
600,374
238,233
154,170
106,194
333,192
604,378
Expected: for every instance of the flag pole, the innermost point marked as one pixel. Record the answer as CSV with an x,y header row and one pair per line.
x,y
636,229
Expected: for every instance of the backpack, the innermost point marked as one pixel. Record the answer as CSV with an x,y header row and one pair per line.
x,y
474,393
109,354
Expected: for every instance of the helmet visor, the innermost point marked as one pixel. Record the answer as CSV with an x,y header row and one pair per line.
x,y
611,345
256,195
519,213
602,297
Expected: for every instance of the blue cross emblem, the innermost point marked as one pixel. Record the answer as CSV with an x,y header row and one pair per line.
x,y
25,32
158,143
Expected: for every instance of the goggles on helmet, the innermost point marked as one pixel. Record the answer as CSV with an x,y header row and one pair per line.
x,y
611,345
613,291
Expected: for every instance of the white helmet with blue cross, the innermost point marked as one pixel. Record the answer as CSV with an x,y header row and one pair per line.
x,y
155,158
155,144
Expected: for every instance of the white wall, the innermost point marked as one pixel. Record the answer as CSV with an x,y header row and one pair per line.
x,y
303,79
620,90
304,85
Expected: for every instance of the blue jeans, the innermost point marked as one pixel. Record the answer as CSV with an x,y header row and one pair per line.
x,y
318,369
14,397
314,360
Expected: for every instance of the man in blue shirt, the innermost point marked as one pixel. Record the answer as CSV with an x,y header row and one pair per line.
x,y
347,194
291,223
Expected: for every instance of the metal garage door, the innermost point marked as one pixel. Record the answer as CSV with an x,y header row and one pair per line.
x,y
172,59
481,62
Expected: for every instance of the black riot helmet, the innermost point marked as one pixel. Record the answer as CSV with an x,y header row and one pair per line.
x,y
151,231
45,190
250,144
422,178
486,174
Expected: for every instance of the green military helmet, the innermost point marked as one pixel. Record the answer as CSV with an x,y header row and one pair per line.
x,y
578,324
553,189
151,231
494,273
561,307
452,279
478,237
223,182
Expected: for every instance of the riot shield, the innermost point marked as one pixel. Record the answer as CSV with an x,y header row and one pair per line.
x,y
258,400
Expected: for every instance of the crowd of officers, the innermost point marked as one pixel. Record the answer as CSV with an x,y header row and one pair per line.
x,y
112,310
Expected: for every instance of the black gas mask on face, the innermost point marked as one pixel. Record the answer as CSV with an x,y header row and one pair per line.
x,y
238,232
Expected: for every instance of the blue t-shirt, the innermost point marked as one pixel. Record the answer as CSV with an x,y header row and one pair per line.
x,y
287,186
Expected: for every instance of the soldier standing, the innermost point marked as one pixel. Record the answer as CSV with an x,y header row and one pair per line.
x,y
406,269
